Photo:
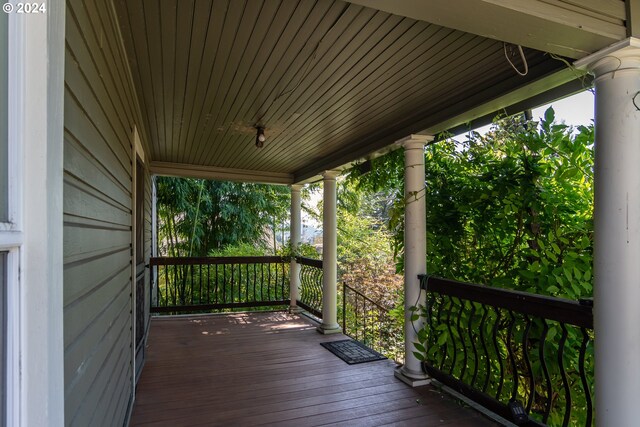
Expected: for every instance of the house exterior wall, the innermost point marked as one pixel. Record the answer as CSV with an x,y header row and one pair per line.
x,y
100,111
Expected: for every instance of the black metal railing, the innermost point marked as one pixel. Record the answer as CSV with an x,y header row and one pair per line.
x,y
197,284
370,323
499,346
310,285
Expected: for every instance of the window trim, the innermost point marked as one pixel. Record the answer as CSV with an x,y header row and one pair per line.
x,y
11,235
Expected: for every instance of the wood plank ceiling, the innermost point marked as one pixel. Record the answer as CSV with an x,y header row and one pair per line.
x,y
327,79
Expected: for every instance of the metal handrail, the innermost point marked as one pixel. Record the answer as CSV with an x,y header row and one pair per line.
x,y
499,346
310,275
192,284
367,321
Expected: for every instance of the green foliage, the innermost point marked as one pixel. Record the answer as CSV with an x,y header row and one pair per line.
x,y
240,249
304,250
512,208
365,245
366,264
196,217
371,322
383,186
362,238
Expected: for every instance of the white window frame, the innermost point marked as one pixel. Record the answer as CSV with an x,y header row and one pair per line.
x,y
11,235
32,236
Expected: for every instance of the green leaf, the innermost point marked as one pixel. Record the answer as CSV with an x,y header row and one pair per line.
x,y
443,338
527,274
553,290
419,356
577,273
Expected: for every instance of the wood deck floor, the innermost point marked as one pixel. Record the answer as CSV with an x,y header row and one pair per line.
x,y
269,369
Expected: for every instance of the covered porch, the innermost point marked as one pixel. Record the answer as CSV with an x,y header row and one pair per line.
x,y
125,90
269,369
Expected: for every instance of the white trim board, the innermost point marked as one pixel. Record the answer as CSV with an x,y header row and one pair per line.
x,y
222,174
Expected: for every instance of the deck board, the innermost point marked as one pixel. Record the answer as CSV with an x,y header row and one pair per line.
x,y
269,369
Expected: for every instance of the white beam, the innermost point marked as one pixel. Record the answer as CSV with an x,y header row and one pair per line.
x,y
222,174
617,232
546,26
496,105
531,95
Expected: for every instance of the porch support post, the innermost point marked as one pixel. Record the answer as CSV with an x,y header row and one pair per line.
x,y
617,232
415,253
329,256
294,231
35,394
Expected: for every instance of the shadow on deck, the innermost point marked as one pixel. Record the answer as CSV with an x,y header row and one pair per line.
x,y
268,368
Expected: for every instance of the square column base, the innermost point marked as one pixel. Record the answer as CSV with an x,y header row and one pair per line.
x,y
295,309
411,382
329,330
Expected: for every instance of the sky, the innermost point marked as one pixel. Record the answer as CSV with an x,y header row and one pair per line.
x,y
574,110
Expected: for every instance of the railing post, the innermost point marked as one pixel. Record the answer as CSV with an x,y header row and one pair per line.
x,y
344,308
616,231
294,269
329,256
415,253
153,301
154,239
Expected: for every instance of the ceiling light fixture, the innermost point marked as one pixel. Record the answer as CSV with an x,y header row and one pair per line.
x,y
260,138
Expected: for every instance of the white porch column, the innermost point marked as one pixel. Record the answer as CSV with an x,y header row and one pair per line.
x,y
35,391
415,252
294,231
329,256
617,232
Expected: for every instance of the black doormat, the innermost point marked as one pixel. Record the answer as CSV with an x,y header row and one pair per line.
x,y
352,351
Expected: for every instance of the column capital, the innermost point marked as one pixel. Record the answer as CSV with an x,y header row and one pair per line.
x,y
412,142
623,55
330,174
296,187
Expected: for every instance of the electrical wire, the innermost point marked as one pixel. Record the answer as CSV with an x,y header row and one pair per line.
x,y
524,60
580,75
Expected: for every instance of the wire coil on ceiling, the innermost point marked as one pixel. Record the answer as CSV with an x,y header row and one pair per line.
x,y
522,56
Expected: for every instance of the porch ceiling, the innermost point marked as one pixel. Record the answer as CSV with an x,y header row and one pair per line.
x,y
331,82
